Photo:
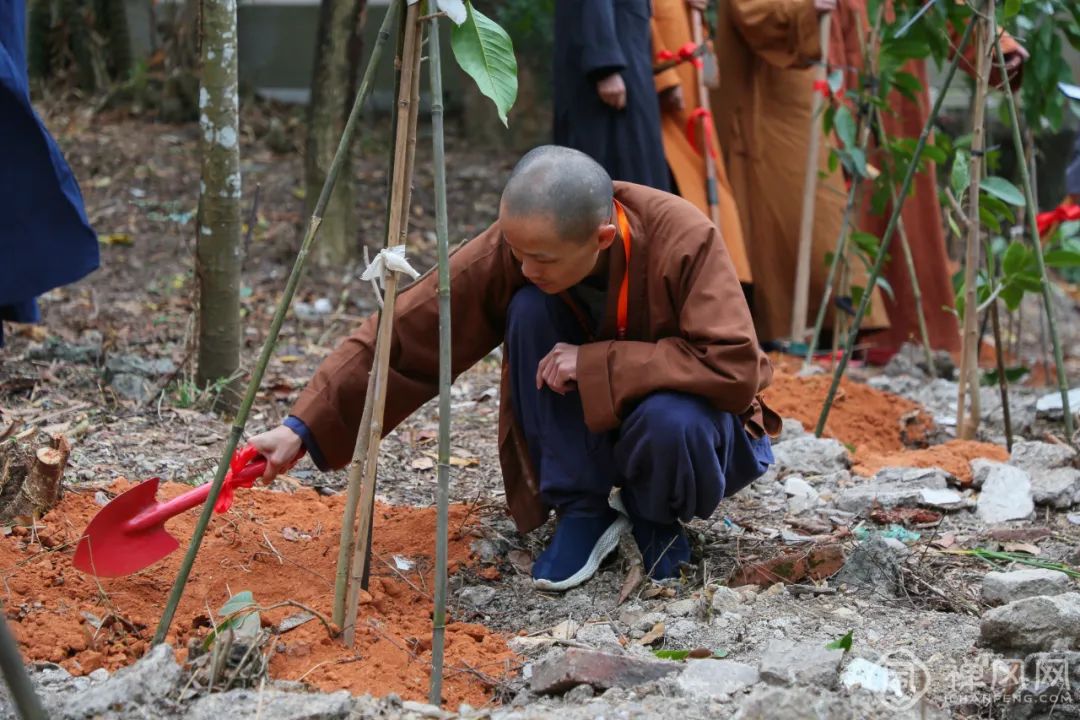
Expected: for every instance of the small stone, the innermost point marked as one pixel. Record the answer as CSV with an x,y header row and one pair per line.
x,y
809,455
424,710
135,365
791,430
714,678
999,588
805,663
946,499
1033,624
580,694
782,703
861,673
897,546
153,677
485,550
931,477
477,595
600,636
99,675
801,495
568,668
1006,495
893,487
724,598
323,306
1034,455
980,470
872,566
131,387
1059,488
1050,404
682,608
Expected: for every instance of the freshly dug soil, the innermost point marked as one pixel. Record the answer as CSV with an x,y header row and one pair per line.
x,y
953,457
281,547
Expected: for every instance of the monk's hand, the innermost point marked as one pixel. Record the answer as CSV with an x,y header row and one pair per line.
x,y
279,446
671,99
558,369
824,6
612,91
699,5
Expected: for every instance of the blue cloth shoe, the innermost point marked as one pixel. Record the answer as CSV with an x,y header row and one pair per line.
x,y
580,544
663,547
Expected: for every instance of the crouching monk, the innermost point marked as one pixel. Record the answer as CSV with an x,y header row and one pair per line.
x,y
630,362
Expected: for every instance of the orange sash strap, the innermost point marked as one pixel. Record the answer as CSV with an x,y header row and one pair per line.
x,y
624,289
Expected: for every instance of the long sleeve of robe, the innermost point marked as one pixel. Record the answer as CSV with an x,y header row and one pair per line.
x,y
689,329
763,110
593,39
45,238
671,31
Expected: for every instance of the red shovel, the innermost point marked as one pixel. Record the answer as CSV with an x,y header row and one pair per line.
x,y
129,534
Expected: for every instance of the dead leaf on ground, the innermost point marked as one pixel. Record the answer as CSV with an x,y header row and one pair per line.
x,y
566,630
423,463
293,535
817,563
521,560
657,633
1019,547
633,578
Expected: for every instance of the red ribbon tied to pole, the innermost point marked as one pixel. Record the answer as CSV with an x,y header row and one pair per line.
x,y
822,87
240,460
1065,212
707,125
683,54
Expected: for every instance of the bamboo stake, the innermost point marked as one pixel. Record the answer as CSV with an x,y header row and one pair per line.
x,y
442,233
259,371
967,418
1003,382
712,195
890,229
400,198
15,676
352,497
806,223
1032,211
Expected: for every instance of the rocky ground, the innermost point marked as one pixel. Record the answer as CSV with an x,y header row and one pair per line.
x,y
825,590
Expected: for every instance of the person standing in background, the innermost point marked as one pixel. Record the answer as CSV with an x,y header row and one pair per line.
x,y
604,98
45,238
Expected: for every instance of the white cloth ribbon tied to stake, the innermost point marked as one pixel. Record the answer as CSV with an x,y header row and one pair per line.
x,y
387,261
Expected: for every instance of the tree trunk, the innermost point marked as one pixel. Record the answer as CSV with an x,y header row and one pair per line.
x,y
333,85
218,245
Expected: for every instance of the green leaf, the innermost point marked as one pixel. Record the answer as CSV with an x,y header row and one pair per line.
x,y
836,80
960,179
1029,282
672,654
1014,259
988,218
997,207
932,152
866,242
843,643
1062,258
1012,8
857,162
240,615
1003,190
886,288
845,127
1011,295
486,53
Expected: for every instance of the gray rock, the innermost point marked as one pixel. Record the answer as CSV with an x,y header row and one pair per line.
x,y
132,387
809,455
600,636
272,705
1058,488
891,488
872,566
143,684
88,353
946,499
792,704
485,550
863,674
1033,624
791,429
1006,495
1033,455
934,478
425,710
580,694
999,588
1050,404
683,608
724,598
980,470
1051,681
135,365
713,678
801,495
806,663
565,669
477,595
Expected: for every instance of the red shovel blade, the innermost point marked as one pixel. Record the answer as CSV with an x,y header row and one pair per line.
x,y
111,548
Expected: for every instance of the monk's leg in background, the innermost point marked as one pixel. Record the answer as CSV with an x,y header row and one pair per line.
x,y
678,456
574,466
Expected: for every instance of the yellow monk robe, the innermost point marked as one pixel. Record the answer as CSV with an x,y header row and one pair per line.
x,y
762,109
672,31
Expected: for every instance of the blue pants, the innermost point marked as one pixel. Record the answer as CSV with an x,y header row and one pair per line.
x,y
675,455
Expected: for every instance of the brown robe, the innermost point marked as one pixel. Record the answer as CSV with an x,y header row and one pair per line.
x,y
689,330
765,51
671,31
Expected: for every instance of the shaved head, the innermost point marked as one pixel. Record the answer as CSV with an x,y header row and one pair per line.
x,y
565,186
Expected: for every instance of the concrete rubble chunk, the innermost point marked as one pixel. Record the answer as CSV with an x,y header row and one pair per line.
x,y
980,470
724,598
143,684
863,674
781,703
891,488
947,499
1033,624
600,636
1006,495
568,668
805,663
808,455
1034,455
1058,488
871,567
801,495
791,429
683,608
999,588
714,678
477,595
275,705
922,477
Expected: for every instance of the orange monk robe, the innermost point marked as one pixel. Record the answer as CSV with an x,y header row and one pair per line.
x,y
671,31
921,217
765,52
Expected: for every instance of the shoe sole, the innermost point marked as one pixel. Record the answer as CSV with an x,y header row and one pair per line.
x,y
603,547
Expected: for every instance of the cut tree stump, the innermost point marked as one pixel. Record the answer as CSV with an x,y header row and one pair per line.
x,y
30,476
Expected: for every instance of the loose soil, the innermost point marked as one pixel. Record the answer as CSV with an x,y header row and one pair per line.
x,y
281,546
953,457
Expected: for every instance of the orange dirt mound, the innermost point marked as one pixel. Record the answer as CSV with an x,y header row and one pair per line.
x,y
281,547
954,457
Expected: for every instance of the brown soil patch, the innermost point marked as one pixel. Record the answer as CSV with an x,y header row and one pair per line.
x,y
281,547
954,457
